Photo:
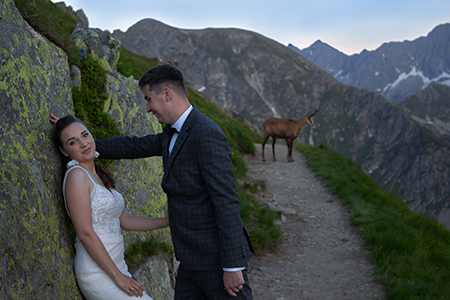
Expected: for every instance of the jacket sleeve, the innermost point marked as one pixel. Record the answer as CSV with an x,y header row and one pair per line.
x,y
130,147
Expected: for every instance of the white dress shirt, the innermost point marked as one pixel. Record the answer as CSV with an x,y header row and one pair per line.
x,y
177,125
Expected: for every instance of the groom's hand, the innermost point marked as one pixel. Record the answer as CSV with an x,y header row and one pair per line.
x,y
53,119
233,282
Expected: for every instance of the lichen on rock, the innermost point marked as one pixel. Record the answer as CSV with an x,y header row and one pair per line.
x,y
36,241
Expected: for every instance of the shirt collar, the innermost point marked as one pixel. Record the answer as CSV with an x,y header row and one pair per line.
x,y
179,123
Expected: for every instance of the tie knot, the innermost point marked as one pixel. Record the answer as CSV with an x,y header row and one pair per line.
x,y
170,130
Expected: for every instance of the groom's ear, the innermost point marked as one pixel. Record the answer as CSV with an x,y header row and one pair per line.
x,y
167,93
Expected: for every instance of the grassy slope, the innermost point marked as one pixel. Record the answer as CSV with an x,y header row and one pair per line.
x,y
411,251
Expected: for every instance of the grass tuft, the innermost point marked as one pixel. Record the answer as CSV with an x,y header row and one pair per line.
x,y
259,221
138,253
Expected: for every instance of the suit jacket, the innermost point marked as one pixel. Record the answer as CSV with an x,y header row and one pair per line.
x,y
204,211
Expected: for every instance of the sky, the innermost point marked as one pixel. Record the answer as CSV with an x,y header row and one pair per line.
x,y
347,25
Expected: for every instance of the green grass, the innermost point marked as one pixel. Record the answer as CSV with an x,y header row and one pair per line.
x,y
50,22
259,220
411,252
131,64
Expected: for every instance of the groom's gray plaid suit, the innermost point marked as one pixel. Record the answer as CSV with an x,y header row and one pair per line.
x,y
204,210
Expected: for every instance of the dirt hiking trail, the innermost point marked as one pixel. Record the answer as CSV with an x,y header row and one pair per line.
x,y
321,256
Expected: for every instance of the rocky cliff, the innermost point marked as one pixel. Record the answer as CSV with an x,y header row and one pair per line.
x,y
36,243
431,109
395,70
258,78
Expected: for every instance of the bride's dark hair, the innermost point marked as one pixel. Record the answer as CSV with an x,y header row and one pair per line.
x,y
58,128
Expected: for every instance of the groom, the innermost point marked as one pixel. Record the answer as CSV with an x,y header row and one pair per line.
x,y
208,235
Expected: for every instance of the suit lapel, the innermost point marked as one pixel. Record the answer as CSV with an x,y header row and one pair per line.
x,y
182,136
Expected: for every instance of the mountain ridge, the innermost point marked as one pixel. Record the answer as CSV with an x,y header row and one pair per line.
x,y
221,64
395,70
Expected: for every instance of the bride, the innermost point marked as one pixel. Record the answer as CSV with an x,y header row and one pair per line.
x,y
97,213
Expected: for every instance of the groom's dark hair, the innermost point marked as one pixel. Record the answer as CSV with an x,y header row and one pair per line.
x,y
163,75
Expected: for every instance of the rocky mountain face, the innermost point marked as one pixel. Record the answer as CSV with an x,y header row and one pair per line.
x,y
232,67
431,109
258,78
36,240
395,70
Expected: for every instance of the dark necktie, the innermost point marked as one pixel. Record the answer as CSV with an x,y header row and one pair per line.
x,y
170,130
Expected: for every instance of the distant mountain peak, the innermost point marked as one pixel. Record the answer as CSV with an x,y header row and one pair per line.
x,y
395,69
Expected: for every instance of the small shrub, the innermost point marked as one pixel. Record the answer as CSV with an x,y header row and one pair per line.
x,y
138,253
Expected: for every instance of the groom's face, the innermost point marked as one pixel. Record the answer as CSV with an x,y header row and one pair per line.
x,y
157,104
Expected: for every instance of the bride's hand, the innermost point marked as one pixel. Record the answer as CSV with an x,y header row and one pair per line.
x,y
129,285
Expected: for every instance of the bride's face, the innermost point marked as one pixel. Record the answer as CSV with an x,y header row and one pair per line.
x,y
77,143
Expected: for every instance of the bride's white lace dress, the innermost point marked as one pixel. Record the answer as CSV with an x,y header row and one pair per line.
x,y
106,206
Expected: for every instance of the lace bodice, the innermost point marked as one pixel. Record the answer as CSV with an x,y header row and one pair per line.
x,y
106,206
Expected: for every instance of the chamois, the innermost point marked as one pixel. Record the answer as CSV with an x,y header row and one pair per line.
x,y
285,129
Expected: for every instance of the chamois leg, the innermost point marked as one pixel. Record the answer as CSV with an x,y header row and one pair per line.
x,y
273,148
263,143
289,145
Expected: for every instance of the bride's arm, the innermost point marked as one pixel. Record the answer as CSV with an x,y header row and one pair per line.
x,y
79,206
137,223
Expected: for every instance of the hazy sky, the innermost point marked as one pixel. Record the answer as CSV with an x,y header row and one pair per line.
x,y
347,25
